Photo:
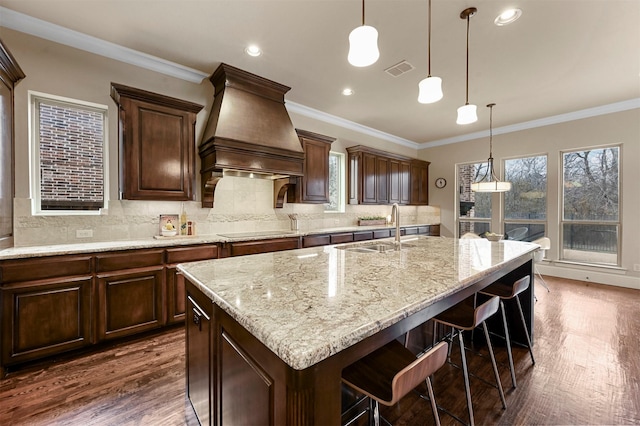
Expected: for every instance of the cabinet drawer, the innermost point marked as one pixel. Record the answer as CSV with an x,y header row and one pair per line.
x,y
263,246
423,229
410,231
382,233
316,240
434,230
44,268
191,254
362,235
346,237
129,260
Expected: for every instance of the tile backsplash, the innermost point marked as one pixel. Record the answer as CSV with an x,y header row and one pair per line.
x,y
241,205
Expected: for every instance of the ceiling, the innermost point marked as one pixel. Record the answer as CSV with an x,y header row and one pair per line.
x,y
560,57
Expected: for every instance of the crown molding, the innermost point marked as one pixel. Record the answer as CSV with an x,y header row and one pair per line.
x,y
56,33
542,122
347,124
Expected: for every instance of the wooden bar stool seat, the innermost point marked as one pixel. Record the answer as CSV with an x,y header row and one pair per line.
x,y
507,291
389,373
466,316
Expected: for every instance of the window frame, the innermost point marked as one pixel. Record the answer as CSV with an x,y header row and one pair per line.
x,y
341,182
561,217
463,219
544,222
35,99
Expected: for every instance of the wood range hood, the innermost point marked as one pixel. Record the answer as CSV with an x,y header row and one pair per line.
x,y
249,132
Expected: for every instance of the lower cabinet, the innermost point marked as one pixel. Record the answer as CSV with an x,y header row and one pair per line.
x,y
44,318
130,302
199,336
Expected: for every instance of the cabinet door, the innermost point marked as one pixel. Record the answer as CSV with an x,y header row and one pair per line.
x,y
157,136
263,246
44,318
199,358
313,186
382,184
395,183
369,179
420,183
130,302
405,182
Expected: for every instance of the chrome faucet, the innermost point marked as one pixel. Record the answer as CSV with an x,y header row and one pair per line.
x,y
395,218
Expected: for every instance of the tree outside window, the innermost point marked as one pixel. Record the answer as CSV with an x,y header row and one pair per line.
x,y
590,207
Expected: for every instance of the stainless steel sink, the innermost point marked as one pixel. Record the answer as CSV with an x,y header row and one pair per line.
x,y
373,247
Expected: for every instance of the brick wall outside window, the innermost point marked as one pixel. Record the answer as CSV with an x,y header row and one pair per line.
x,y
71,158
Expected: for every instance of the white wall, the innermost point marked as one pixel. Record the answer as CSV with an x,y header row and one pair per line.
x,y
616,128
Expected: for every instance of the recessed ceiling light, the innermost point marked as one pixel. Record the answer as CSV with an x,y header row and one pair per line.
x,y
253,50
347,92
507,17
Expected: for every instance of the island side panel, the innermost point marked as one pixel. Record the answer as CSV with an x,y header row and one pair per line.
x,y
249,383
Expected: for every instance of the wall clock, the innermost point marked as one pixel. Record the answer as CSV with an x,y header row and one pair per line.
x,y
441,183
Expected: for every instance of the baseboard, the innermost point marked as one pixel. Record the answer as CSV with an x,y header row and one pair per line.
x,y
591,274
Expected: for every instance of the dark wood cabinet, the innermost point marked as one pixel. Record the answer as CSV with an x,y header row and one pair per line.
x,y
131,292
157,140
313,186
199,336
419,182
379,177
175,282
10,74
46,307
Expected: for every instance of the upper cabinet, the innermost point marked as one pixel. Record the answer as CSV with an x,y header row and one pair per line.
x,y
157,145
380,177
10,74
313,186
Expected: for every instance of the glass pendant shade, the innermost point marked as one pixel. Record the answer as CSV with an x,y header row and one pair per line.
x,y
430,90
363,46
467,114
491,186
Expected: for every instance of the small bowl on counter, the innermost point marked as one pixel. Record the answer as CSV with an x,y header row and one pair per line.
x,y
169,232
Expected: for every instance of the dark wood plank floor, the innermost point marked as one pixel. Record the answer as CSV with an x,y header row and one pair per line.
x,y
587,372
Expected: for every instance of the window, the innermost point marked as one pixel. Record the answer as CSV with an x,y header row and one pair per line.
x,y
525,206
474,213
590,225
336,182
68,155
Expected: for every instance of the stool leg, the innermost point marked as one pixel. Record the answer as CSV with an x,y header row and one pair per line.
x,y
508,339
432,398
493,363
465,372
526,330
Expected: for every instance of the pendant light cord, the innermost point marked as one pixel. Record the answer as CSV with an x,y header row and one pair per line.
x,y
429,44
467,98
363,13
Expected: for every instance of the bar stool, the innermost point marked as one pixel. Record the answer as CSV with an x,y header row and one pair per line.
x,y
389,373
507,291
465,316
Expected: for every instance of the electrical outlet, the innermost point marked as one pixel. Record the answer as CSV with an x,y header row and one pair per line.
x,y
84,233
636,267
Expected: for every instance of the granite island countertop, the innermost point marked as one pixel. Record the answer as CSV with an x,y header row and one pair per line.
x,y
308,304
159,242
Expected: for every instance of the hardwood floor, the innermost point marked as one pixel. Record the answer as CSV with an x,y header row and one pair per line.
x,y
587,372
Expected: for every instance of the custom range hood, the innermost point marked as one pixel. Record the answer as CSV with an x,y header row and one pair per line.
x,y
249,132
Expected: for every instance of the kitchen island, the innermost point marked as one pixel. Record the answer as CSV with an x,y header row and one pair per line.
x,y
269,334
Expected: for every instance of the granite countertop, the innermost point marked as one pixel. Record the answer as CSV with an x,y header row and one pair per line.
x,y
308,304
159,242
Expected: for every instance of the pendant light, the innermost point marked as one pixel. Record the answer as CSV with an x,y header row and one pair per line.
x,y
489,182
363,45
467,112
430,88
